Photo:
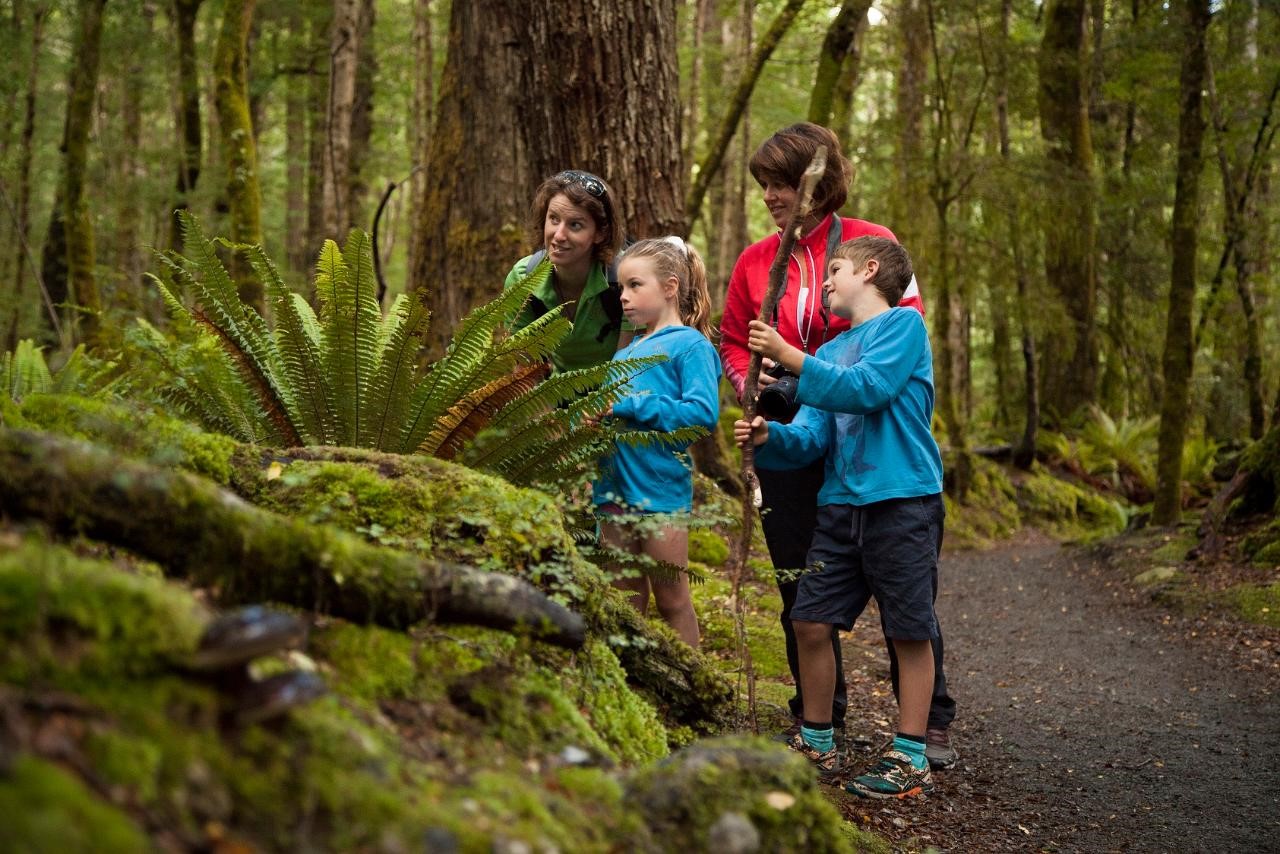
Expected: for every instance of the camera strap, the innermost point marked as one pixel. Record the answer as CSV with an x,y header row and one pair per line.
x,y
835,232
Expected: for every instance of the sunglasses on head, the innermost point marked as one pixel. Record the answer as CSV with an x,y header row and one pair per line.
x,y
585,180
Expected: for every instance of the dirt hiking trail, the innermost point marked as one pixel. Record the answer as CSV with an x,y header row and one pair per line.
x,y
1090,720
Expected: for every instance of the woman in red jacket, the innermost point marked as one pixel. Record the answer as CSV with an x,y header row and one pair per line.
x,y
790,496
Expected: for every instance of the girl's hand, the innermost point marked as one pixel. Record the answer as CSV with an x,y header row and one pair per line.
x,y
765,340
756,432
594,420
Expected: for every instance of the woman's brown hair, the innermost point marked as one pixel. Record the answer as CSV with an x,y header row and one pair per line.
x,y
588,192
784,156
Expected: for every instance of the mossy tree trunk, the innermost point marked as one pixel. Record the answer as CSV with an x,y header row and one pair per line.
x,y
1070,359
469,228
344,47
25,155
196,530
187,112
1177,360
423,116
77,221
837,46
239,150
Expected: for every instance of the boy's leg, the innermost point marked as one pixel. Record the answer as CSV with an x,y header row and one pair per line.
x,y
899,540
788,518
619,537
670,543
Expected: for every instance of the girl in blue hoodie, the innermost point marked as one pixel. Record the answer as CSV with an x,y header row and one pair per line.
x,y
664,291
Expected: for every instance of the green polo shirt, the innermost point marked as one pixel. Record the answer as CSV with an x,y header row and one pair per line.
x,y
588,343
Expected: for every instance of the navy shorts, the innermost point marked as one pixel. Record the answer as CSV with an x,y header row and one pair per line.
x,y
888,550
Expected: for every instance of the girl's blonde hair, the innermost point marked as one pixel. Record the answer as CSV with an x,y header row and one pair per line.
x,y
673,257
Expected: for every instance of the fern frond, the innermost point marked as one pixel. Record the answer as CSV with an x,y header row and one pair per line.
x,y
25,371
358,255
469,355
338,319
617,560
259,383
471,414
400,339
298,343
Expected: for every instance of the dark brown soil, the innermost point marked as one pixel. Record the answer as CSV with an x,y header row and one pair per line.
x,y
1090,719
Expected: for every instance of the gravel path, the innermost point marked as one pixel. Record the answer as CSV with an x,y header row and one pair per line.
x,y
1089,721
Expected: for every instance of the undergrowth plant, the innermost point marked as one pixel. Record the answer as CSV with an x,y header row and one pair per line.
x,y
25,371
348,375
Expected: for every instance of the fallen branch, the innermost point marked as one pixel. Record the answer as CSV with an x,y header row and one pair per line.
x,y
199,531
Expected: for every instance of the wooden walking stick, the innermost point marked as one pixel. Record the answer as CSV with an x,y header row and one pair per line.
x,y
751,497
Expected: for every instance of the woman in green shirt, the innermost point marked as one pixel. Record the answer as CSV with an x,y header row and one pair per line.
x,y
576,221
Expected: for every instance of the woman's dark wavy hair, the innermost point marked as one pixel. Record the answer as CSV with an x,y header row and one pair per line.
x,y
784,156
603,210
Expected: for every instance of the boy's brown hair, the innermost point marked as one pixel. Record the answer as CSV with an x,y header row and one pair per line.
x,y
894,273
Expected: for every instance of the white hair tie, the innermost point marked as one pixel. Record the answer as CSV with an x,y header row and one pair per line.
x,y
678,242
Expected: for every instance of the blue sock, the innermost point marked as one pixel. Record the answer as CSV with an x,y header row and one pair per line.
x,y
913,746
819,736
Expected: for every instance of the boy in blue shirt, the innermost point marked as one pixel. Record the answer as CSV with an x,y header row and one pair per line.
x,y
868,404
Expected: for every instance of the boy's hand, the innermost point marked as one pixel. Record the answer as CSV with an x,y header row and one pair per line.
x,y
756,432
765,340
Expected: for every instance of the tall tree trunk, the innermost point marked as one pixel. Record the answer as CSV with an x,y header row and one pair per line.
x,y
25,153
625,125
1024,452
128,248
842,112
423,116
1071,360
836,48
691,109
909,160
82,90
238,146
359,214
297,251
468,230
344,46
188,112
1177,359
319,21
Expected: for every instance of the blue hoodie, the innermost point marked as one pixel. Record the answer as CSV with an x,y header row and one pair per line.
x,y
868,406
680,392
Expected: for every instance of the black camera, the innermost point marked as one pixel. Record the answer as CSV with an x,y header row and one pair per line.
x,y
777,400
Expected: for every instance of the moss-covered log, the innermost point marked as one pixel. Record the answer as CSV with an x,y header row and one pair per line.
x,y
198,530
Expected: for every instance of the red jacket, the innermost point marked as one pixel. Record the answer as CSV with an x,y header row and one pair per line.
x,y
807,267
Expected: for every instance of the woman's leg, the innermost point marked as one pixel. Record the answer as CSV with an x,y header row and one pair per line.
x,y
670,543
618,537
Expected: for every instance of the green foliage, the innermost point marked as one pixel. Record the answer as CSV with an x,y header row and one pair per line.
x,y
350,376
47,809
24,372
1120,446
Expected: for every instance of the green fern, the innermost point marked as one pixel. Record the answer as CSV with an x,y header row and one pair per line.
x,y
348,375
25,372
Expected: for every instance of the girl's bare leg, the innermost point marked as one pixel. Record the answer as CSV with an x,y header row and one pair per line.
x,y
670,543
619,538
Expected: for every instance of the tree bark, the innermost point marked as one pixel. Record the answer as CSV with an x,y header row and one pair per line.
x,y
1071,359
344,46
468,229
318,24
1177,358
25,154
297,249
196,530
617,113
910,194
837,47
187,115
77,221
423,116
231,97
128,249
359,214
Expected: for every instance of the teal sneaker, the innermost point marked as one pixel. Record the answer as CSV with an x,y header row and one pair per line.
x,y
829,764
893,777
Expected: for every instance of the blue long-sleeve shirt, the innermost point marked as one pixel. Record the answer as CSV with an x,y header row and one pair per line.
x,y
867,406
680,392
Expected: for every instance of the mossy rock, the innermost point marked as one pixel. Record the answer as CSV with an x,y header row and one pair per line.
x,y
707,547
1262,461
1257,603
1262,546
989,512
1068,510
47,809
134,431
744,787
